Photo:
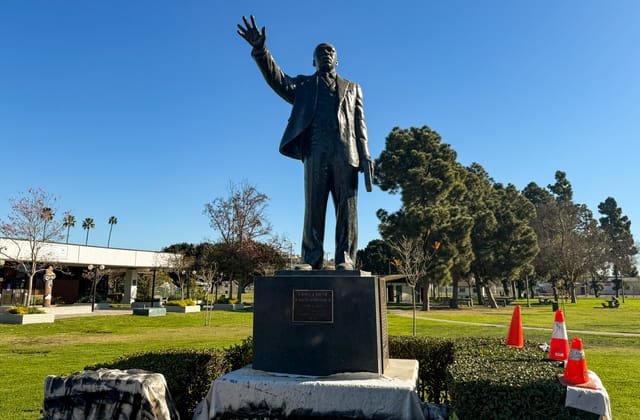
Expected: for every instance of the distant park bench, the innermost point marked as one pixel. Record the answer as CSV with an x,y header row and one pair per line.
x,y
439,304
544,300
465,302
612,303
504,301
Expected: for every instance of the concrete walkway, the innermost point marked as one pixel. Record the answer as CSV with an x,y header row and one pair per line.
x,y
483,324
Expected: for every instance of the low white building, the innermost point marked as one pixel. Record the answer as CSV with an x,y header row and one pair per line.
x,y
73,258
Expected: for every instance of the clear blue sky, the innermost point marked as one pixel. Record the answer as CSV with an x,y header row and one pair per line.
x,y
146,110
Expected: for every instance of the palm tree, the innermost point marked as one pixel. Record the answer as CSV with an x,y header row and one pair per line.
x,y
69,221
113,220
46,214
87,224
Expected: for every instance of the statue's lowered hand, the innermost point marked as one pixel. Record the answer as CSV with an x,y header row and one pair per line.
x,y
256,38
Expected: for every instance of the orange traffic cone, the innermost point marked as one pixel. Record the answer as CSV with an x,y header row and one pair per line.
x,y
576,373
515,339
559,349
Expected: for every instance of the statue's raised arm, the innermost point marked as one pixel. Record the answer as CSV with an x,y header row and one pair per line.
x,y
328,133
250,32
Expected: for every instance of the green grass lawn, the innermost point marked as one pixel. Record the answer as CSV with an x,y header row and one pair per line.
x,y
28,353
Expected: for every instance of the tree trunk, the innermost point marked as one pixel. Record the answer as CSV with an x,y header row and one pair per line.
x,y
426,303
241,287
479,290
413,301
492,300
29,289
453,303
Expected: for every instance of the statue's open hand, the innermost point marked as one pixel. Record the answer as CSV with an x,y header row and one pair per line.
x,y
250,32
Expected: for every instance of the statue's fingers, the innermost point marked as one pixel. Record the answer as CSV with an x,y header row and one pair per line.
x,y
241,29
264,31
253,22
246,22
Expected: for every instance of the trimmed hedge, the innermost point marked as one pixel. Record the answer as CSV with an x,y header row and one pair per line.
x,y
490,380
477,377
434,355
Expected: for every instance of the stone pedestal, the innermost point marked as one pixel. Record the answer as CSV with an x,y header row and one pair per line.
x,y
150,311
250,393
320,323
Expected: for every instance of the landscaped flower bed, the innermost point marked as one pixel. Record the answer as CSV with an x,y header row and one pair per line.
x,y
26,315
182,306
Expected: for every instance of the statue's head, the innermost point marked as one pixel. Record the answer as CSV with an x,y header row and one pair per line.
x,y
325,57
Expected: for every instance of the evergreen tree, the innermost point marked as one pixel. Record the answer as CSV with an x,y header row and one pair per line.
x,y
620,244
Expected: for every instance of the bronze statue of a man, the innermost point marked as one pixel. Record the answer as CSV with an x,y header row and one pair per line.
x,y
328,133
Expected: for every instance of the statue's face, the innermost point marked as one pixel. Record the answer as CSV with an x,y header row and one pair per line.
x,y
325,57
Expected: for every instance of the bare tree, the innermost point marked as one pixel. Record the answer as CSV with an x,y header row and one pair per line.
x,y
208,275
240,220
30,224
95,274
415,259
240,217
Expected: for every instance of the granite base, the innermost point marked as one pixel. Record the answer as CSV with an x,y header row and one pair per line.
x,y
320,323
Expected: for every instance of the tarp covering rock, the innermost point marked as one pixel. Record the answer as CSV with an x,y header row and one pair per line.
x,y
108,394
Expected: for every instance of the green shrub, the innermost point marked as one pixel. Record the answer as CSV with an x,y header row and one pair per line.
x,y
240,355
222,299
490,380
181,303
483,378
120,305
25,310
434,355
88,299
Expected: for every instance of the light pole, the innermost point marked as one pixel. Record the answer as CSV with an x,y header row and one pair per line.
x,y
153,288
291,245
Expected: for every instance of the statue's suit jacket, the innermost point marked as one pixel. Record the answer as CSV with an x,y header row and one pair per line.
x,y
301,91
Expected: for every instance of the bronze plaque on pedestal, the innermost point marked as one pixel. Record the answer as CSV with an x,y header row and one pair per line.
x,y
312,306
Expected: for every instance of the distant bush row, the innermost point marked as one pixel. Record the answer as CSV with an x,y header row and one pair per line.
x,y
181,302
